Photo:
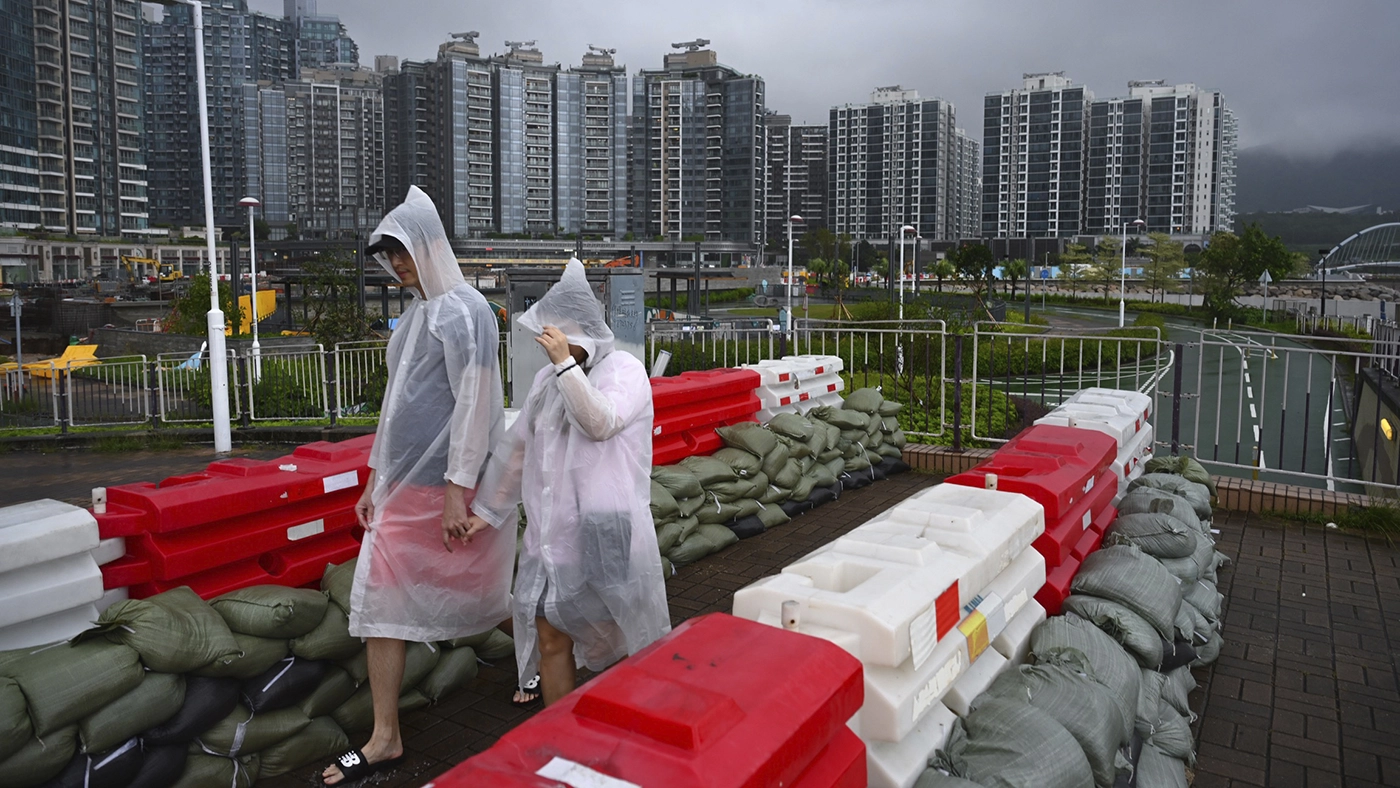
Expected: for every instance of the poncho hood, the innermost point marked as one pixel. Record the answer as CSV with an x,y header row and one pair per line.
x,y
417,226
572,307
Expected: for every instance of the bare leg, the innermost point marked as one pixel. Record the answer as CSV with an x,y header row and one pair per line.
x,y
557,674
386,664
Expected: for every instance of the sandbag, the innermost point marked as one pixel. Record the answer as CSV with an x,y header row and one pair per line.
x,y
64,683
1016,745
678,481
1163,687
212,771
791,425
1198,495
112,768
419,659
774,495
331,639
898,439
337,580
865,400
709,470
206,702
1202,596
894,465
335,688
1147,499
828,456
1158,770
731,491
454,670
1158,535
772,516
1176,654
1083,706
889,425
161,767
155,700
822,476
1130,577
242,732
750,437
1119,622
747,527
321,740
1178,688
793,508
38,761
890,451
703,541
803,489
663,504
1171,733
255,655
890,408
269,611
174,632
1209,651
667,534
933,778
1181,466
855,481
1071,641
357,714
797,449
491,645
819,443
788,476
822,495
840,418
744,463
284,684
719,513
689,506
15,729
1191,626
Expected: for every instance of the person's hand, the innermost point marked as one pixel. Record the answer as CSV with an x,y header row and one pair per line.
x,y
475,525
454,517
364,508
555,344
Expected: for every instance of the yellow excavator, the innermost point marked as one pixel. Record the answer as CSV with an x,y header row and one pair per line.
x,y
155,271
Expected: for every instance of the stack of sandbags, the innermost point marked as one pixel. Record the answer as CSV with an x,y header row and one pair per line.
x,y
173,690
869,437
676,499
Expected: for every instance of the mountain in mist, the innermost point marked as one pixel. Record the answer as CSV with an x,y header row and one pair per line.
x,y
1270,180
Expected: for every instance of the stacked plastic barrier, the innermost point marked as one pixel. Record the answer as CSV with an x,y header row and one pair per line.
x,y
239,523
688,407
796,384
935,597
1068,471
719,702
50,583
1123,415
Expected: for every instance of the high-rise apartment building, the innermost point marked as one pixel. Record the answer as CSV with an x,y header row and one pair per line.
x,y
19,122
590,139
1033,169
967,186
1164,154
320,40
796,175
697,150
87,73
524,151
898,160
406,126
461,140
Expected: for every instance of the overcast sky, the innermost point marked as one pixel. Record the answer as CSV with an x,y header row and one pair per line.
x,y
1306,76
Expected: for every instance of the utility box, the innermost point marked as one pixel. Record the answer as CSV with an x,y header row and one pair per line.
x,y
619,291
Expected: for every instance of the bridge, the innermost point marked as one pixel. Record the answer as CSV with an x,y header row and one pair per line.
x,y
1375,249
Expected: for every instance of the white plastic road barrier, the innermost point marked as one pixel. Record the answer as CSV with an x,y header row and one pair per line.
x,y
786,370
1132,459
47,629
1134,401
112,596
48,587
796,384
109,550
898,765
1119,423
974,681
1014,642
511,415
38,531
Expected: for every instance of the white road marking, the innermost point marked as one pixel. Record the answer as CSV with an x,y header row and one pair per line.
x,y
1253,414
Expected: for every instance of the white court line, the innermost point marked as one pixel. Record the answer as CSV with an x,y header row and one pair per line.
x,y
1246,378
1250,391
1253,414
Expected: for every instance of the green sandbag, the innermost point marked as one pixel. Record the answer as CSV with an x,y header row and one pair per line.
x,y
337,581
1203,597
837,467
331,639
1166,688
898,439
15,730
852,438
1197,494
668,569
822,476
1012,743
1130,577
249,732
796,449
891,451
213,771
335,688
1171,733
1125,626
829,455
718,514
156,699
255,655
703,541
667,534
269,611
677,480
453,671
1191,626
419,659
889,425
689,506
933,778
1157,534
858,463
842,419
491,645
1148,499
772,516
818,443
775,460
64,683
866,400
744,463
1181,466
890,408
709,470
1209,652
321,740
788,476
803,489
1071,641
775,495
740,488
1155,769
174,632
36,762
791,425
357,714
748,436
663,504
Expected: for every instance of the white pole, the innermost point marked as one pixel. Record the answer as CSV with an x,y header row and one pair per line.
x,y
1123,278
218,355
16,307
901,273
789,282
253,268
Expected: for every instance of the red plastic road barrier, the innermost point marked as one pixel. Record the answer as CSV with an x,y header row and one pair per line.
x,y
687,409
689,388
1087,544
1060,538
1056,589
720,702
1054,466
294,566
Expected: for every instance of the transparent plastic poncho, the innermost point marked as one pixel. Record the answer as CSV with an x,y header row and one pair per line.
x,y
580,457
442,412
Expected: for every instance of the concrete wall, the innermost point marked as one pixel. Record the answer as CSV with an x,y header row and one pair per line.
x,y
113,342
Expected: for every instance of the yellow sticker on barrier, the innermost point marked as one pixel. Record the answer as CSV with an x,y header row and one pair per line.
x,y
974,628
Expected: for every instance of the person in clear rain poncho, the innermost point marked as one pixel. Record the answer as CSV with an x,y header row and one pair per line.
x,y
589,589
442,411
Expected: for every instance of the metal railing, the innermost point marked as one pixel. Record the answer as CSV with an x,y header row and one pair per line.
x,y
286,384
696,346
361,373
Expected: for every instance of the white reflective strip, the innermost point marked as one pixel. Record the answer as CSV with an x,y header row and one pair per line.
x,y
124,748
576,775
341,481
306,529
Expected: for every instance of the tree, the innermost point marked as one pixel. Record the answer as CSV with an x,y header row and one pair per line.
x,y
818,267
1231,262
261,230
333,312
1074,263
189,312
1016,270
1165,261
880,266
943,269
1106,267
975,264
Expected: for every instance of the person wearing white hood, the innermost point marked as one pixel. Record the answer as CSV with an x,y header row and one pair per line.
x,y
443,409
589,589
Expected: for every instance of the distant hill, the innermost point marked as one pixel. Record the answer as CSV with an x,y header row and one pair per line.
x,y
1309,232
1267,180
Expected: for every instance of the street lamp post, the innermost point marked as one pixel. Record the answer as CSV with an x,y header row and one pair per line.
x,y
250,203
218,355
1123,272
902,230
790,280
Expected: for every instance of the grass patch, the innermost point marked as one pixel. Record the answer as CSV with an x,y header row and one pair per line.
x,y
1381,519
117,444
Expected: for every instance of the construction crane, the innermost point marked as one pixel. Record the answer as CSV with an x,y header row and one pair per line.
x,y
692,46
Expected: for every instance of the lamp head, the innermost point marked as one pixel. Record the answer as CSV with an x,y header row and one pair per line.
x,y
249,202
795,218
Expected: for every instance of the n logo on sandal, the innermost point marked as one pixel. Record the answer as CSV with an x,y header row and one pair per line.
x,y
349,760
